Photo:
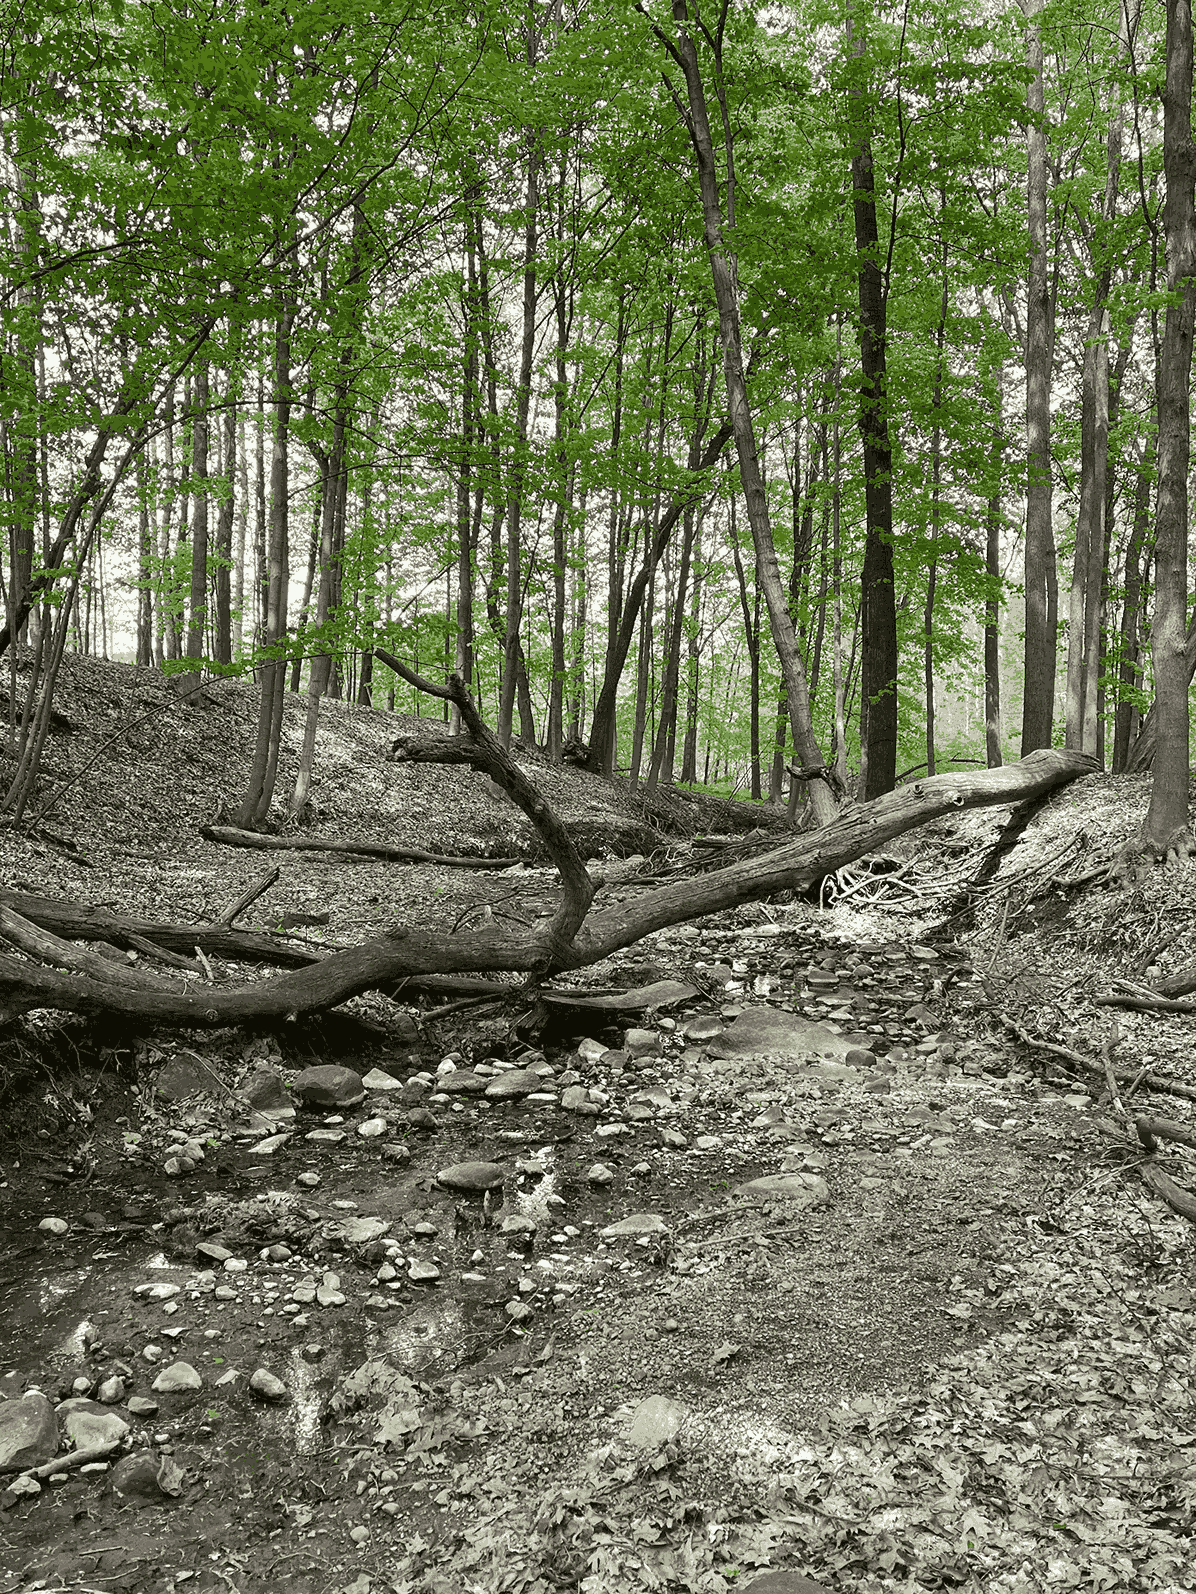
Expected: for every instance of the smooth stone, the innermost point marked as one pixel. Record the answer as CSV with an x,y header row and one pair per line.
x,y
328,1085
423,1118
519,1082
372,1129
600,1174
395,1151
379,1079
53,1226
213,1251
464,1082
264,1090
518,1223
806,1188
267,1385
590,1050
654,1422
28,1432
420,1272
325,1137
635,1224
475,1176
267,1147
142,1406
177,1378
576,1098
90,1426
770,1032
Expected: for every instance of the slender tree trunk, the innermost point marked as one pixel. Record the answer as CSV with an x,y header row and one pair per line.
x,y
992,600
1167,817
1038,697
198,599
722,267
1129,674
222,648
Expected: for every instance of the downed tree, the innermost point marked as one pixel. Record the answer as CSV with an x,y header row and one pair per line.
x,y
572,938
229,836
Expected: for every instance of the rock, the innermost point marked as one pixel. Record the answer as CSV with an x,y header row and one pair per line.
x,y
325,1137
28,1432
807,1189
328,1292
518,1082
145,1476
111,1392
358,1231
311,1180
600,1174
157,1292
53,1226
420,1272
654,1422
372,1128
641,1042
423,1118
378,1079
264,1089
473,1176
590,1050
187,1075
519,1311
176,1379
464,1082
767,1031
269,1387
328,1085
674,1138
518,1223
576,1099
395,1151
90,1426
268,1146
705,1028
142,1406
213,1251
637,1223
22,1488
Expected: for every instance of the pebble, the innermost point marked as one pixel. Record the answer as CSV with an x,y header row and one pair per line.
x,y
53,1226
310,1180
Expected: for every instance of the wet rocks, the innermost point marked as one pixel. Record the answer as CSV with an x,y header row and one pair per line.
x,y
474,1177
463,1082
328,1085
768,1031
28,1432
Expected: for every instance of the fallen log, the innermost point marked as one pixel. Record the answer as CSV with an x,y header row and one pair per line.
x,y
72,921
228,836
572,938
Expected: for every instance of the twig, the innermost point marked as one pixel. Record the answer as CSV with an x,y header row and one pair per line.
x,y
207,967
1160,1082
173,960
259,887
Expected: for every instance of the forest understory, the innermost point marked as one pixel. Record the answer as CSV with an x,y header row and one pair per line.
x,y
943,1346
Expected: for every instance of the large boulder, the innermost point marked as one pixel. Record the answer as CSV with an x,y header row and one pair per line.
x,y
328,1085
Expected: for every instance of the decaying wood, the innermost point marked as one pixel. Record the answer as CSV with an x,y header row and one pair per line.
x,y
259,888
229,836
1152,1130
572,938
38,943
1163,1083
1141,1000
1164,1186
74,922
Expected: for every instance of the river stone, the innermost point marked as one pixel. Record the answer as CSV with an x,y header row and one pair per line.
x,y
379,1079
142,1406
90,1426
53,1225
576,1098
186,1075
767,1031
599,1173
28,1432
519,1082
267,1385
705,1028
422,1118
641,1042
636,1223
476,1176
138,1476
654,1422
806,1188
420,1272
177,1378
372,1129
268,1146
264,1089
328,1085
112,1391
464,1082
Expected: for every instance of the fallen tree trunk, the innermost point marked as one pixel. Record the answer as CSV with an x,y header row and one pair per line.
x,y
74,922
229,836
573,937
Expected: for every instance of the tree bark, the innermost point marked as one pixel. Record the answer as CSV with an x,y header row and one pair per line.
x,y
1167,817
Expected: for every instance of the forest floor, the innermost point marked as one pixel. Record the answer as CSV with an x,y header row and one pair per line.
x,y
947,1345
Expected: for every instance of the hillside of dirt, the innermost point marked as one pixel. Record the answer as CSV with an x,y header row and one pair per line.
x,y
797,1249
